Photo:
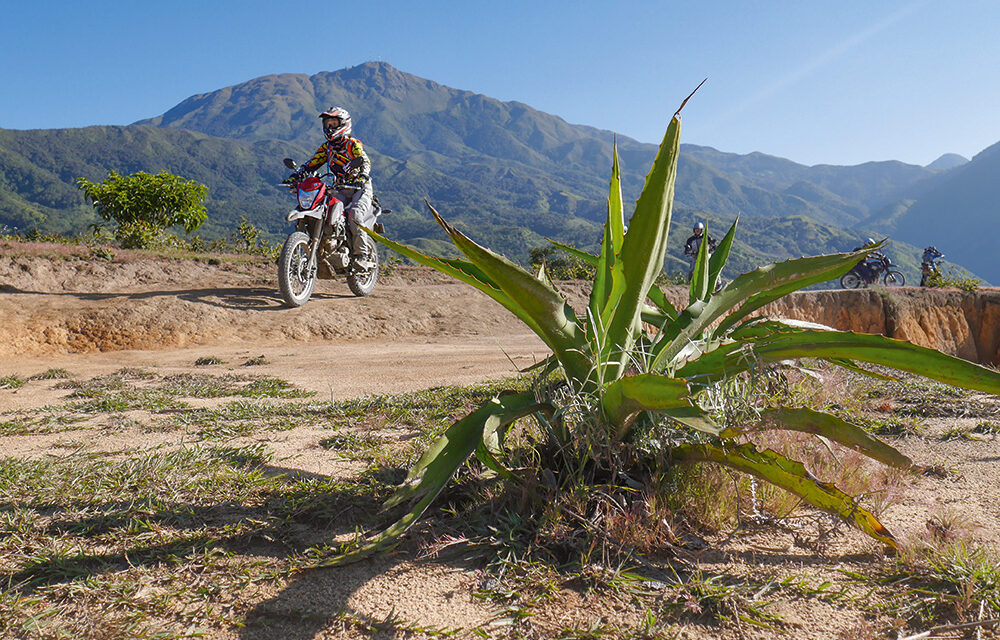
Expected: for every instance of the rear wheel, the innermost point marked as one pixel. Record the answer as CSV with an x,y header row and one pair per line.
x,y
850,280
893,279
362,281
296,277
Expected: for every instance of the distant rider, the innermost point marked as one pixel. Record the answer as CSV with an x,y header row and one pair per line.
x,y
928,264
351,169
694,243
868,268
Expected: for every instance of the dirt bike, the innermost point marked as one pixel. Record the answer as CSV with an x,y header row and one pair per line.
x,y
320,246
929,269
867,272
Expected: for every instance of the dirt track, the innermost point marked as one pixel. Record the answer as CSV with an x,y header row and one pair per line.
x,y
417,330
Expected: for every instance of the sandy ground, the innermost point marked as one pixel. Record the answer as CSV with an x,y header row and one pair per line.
x,y
416,331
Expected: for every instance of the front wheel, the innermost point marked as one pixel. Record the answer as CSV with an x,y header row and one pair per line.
x,y
362,280
850,280
296,277
893,279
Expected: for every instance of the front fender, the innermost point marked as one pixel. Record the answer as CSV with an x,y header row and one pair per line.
x,y
298,214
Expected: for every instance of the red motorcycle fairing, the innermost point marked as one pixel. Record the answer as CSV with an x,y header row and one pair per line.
x,y
310,193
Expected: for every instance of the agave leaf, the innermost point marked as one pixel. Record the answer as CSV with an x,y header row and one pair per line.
x,y
551,316
831,427
543,275
749,292
721,255
642,251
625,398
792,476
655,294
694,417
460,270
699,277
850,365
657,315
775,341
436,467
781,289
488,452
589,258
609,269
660,300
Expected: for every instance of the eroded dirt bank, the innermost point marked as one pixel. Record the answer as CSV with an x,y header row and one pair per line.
x,y
965,324
58,306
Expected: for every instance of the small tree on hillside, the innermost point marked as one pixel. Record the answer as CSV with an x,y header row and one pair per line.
x,y
144,204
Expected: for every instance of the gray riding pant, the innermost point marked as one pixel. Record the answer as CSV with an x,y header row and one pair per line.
x,y
358,207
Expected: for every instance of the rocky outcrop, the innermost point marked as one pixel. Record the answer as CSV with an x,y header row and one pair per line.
x,y
965,324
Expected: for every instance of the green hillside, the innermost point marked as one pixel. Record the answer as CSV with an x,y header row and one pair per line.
x,y
506,173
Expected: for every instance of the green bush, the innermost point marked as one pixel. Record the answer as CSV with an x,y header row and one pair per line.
x,y
143,205
953,279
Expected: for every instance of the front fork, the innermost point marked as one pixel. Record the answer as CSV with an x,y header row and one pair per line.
x,y
315,237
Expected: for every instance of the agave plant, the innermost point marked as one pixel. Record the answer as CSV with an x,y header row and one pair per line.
x,y
639,360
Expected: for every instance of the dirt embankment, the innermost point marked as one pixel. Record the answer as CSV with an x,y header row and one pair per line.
x,y
965,324
75,306
60,306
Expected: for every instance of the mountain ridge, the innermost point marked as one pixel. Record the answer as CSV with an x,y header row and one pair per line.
x,y
511,172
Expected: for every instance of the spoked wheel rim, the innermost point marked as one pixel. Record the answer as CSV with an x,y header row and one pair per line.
x,y
893,279
298,269
365,277
850,281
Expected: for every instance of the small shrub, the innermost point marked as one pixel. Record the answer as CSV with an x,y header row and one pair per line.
x,y
259,360
11,382
559,265
953,279
101,253
205,361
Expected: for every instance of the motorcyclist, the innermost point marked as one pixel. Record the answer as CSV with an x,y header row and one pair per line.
x,y
351,169
868,268
693,243
928,266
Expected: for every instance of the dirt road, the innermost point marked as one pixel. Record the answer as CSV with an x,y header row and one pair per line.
x,y
416,331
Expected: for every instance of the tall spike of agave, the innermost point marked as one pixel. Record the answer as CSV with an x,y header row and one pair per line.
x,y
630,370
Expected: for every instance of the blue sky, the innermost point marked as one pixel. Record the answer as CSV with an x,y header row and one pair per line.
x,y
814,81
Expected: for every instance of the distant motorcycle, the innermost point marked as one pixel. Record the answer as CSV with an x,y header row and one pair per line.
x,y
868,272
320,246
930,268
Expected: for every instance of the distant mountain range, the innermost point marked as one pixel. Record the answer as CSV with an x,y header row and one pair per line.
x,y
507,173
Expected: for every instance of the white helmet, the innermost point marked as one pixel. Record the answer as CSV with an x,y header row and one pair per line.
x,y
338,126
699,227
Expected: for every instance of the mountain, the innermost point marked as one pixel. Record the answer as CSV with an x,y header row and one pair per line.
x,y
959,213
412,119
508,174
948,161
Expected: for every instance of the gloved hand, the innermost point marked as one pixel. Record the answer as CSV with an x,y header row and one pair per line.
x,y
294,178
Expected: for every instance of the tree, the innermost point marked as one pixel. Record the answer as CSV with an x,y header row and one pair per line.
x,y
144,204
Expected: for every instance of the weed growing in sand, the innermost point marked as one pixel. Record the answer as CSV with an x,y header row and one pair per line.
x,y
256,361
11,382
52,374
952,581
206,361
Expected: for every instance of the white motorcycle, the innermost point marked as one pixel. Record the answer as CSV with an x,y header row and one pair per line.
x,y
320,246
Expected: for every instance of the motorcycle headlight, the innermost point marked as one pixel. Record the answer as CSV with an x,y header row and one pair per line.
x,y
308,199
